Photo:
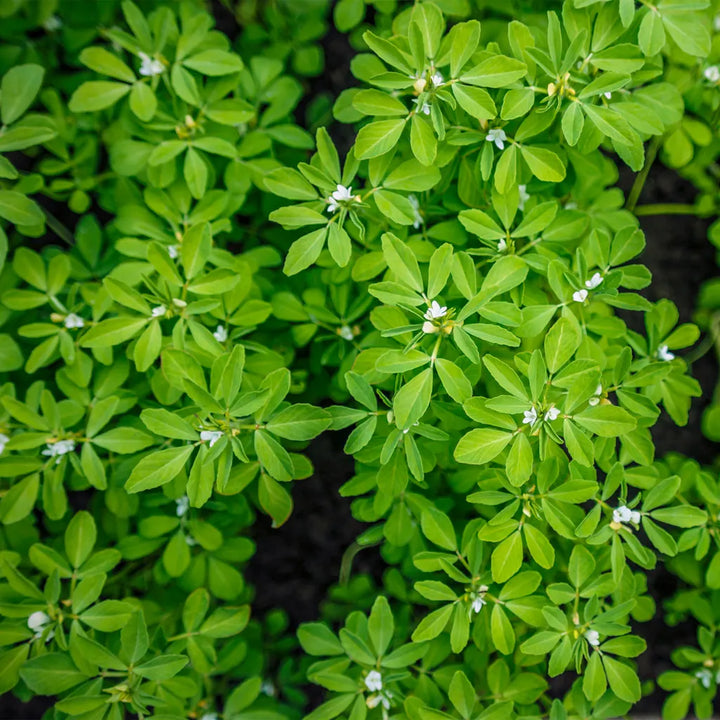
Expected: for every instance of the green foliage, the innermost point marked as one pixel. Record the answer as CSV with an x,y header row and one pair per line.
x,y
221,279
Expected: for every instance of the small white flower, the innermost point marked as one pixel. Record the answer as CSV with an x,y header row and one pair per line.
x,y
594,281
502,245
418,219
190,541
608,95
59,448
524,196
182,505
552,414
267,688
158,311
595,399
374,700
73,321
173,251
150,66
624,514
570,205
345,332
424,108
530,416
220,334
37,622
209,716
53,23
477,604
373,681
437,78
4,440
497,136
593,637
210,435
712,74
428,328
705,677
580,295
420,82
664,354
341,195
435,311
716,23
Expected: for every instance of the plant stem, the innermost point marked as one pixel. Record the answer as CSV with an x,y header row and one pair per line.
x,y
641,177
666,209
58,228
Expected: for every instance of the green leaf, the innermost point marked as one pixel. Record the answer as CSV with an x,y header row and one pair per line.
x,y
20,209
290,184
433,624
623,679
457,386
158,468
684,516
606,420
539,546
494,72
475,101
214,62
377,138
226,622
97,95
561,342
113,332
20,85
51,674
481,445
299,422
317,639
412,400
507,558
594,682
381,625
104,62
162,667
80,537
305,251
376,102
19,500
544,164
438,528
688,31
401,260
422,140
273,456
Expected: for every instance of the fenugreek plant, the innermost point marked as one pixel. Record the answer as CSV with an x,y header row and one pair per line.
x,y
212,282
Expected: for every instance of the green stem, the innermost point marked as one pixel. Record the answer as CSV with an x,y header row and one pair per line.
x,y
641,177
58,228
666,209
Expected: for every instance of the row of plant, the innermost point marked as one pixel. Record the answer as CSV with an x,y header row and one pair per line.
x,y
198,282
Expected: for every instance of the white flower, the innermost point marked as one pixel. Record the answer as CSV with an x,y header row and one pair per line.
x,y
158,311
341,195
74,321
624,514
210,435
502,245
570,205
4,440
552,414
428,328
437,79
712,74
716,23
191,541
705,677
420,82
150,66
59,448
424,108
267,688
594,281
434,311
418,219
595,399
580,295
37,622
530,416
373,681
608,95
52,23
593,637
375,700
220,334
182,505
664,354
345,332
209,716
172,251
477,604
524,196
497,136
